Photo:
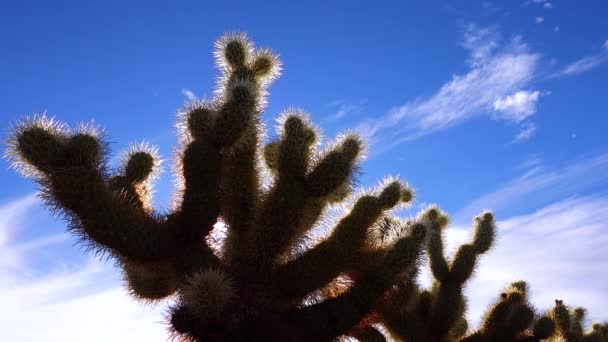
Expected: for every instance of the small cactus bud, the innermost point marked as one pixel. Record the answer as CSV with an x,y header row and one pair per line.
x,y
149,281
484,232
236,52
390,195
139,166
297,129
39,147
407,194
351,146
271,154
199,122
83,150
266,64
207,293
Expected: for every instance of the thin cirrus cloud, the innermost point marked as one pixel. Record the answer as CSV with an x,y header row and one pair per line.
x,y
189,94
65,302
526,133
342,109
584,64
578,175
497,84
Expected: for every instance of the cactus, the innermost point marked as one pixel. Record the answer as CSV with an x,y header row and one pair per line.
x,y
437,314
236,254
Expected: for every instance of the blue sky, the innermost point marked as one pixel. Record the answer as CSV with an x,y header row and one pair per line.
x,y
498,105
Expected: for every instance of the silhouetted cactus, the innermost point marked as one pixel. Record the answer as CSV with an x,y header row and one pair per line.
x,y
236,248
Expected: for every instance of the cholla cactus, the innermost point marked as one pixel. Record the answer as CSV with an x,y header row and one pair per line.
x,y
512,318
413,314
257,283
237,255
570,325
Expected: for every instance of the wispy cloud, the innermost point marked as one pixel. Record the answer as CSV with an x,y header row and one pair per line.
x,y
497,72
526,132
64,302
189,94
539,20
585,64
577,175
343,109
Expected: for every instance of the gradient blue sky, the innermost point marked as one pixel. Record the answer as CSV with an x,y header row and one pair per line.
x,y
498,105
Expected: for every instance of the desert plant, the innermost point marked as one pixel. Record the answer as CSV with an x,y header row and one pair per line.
x,y
240,253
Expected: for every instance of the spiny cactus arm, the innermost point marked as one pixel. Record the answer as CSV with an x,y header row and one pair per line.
x,y
70,167
334,317
291,208
239,198
436,222
576,326
561,316
200,203
283,208
212,131
449,294
226,131
141,165
311,271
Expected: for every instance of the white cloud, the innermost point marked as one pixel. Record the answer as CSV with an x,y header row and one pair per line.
x,y
577,175
496,72
517,106
189,94
585,64
539,20
343,109
10,212
526,132
556,29
548,5
66,302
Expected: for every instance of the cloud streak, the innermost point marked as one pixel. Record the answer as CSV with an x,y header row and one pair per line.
x,y
585,64
577,175
497,85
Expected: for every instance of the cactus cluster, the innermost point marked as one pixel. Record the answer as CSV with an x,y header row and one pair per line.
x,y
240,255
